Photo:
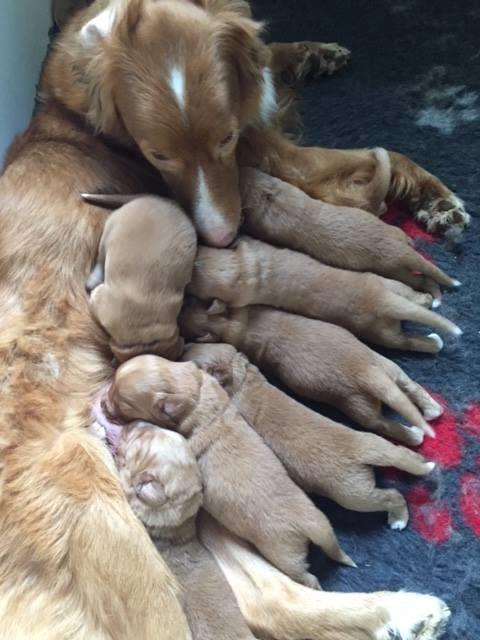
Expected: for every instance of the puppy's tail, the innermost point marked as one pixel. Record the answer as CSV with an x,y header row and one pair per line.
x,y
322,534
383,453
110,201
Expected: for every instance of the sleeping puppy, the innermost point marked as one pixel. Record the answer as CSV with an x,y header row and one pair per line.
x,y
245,486
283,215
158,473
144,263
162,483
316,360
368,305
320,455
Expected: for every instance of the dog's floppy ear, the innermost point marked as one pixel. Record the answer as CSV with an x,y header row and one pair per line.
x,y
170,408
240,45
125,15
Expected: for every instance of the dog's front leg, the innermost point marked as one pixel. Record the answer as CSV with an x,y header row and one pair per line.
x,y
293,63
348,177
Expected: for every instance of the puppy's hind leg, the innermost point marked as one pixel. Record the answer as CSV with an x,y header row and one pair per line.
x,y
367,412
289,556
364,497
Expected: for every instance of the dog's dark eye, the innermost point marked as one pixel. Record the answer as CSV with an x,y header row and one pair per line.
x,y
159,156
227,139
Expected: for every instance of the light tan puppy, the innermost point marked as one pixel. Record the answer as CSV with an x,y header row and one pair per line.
x,y
276,607
315,359
162,482
245,486
283,215
144,263
368,305
320,455
159,475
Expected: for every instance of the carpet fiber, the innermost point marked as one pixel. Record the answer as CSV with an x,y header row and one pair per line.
x,y
413,86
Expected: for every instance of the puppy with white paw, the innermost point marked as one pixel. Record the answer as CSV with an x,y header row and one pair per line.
x,y
320,455
316,360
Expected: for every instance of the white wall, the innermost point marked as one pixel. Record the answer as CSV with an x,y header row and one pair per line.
x,y
24,28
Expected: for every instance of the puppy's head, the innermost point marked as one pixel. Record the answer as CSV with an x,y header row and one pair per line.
x,y
153,389
215,359
159,475
184,82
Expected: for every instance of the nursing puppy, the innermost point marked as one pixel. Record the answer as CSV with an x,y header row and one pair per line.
x,y
162,482
281,214
315,359
368,305
320,455
245,486
144,263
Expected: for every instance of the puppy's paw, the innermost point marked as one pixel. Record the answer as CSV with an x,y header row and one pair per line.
x,y
442,214
414,616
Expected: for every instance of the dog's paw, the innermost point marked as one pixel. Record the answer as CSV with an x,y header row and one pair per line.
x,y
310,60
325,58
442,214
412,616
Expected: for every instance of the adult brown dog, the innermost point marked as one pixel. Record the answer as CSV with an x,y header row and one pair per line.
x,y
191,84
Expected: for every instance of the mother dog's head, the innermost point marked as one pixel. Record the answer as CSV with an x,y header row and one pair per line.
x,y
182,79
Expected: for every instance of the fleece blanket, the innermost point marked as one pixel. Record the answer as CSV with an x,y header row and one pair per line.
x,y
413,86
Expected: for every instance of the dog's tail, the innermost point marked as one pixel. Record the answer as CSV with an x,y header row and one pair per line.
x,y
322,534
383,453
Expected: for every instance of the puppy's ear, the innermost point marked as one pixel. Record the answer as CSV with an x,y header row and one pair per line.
x,y
217,307
170,408
119,14
207,337
221,373
150,490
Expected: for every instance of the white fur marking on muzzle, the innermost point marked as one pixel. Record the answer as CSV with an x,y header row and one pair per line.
x,y
206,213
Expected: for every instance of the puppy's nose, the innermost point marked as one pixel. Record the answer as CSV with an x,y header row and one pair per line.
x,y
221,239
